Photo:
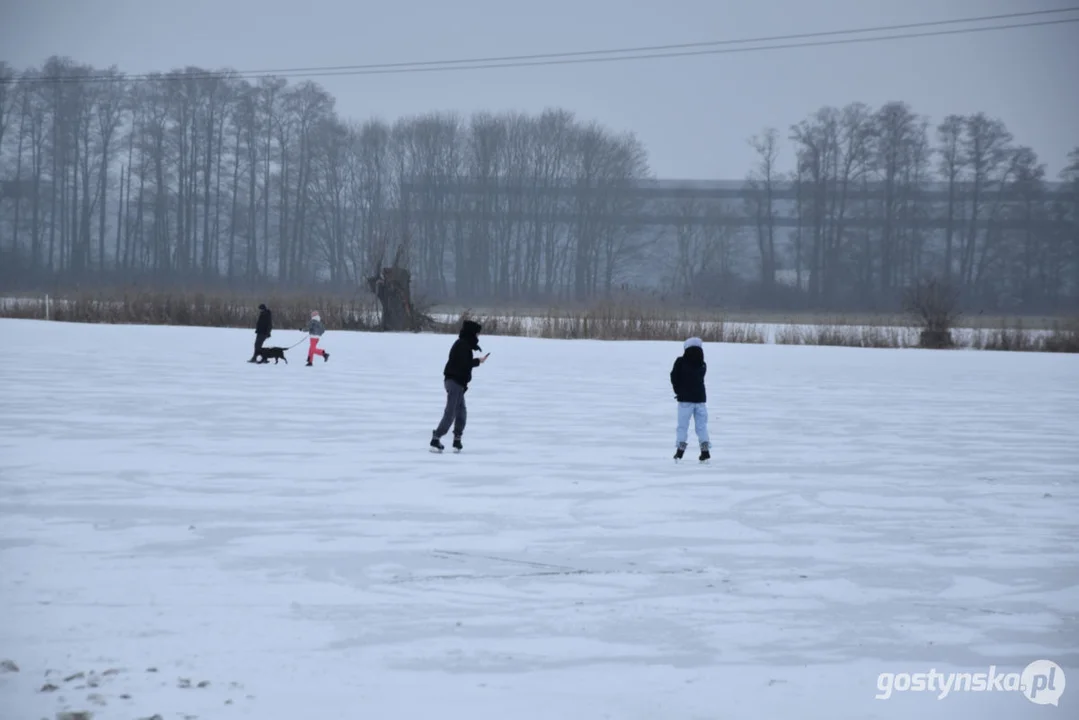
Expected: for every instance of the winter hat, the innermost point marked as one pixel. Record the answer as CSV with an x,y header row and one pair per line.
x,y
314,314
692,342
470,329
262,306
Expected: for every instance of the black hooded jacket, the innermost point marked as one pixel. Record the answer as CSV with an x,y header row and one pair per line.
x,y
264,326
687,376
459,366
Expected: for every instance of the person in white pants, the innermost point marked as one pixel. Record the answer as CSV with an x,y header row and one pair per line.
x,y
687,379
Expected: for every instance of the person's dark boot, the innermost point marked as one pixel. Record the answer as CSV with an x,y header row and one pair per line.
x,y
436,445
679,452
705,454
457,446
325,357
309,363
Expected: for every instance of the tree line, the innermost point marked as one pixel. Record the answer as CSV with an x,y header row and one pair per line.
x,y
207,178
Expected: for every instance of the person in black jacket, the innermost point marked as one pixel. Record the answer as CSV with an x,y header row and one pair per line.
x,y
263,329
456,376
687,379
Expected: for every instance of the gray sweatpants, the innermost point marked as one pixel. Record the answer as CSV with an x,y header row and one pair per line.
x,y
455,412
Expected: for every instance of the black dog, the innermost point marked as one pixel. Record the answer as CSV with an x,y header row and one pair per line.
x,y
272,353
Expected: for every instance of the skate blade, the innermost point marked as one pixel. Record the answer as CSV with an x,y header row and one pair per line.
x,y
436,451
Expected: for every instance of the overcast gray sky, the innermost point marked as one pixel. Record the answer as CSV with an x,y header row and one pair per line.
x,y
693,114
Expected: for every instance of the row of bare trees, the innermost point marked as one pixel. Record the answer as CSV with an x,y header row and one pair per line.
x,y
195,176
206,177
882,199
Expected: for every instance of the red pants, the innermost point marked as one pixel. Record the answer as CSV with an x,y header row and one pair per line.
x,y
314,350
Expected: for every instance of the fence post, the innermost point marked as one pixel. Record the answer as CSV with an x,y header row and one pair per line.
x,y
46,306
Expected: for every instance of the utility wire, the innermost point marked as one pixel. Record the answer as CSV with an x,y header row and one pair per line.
x,y
715,47
657,48
688,53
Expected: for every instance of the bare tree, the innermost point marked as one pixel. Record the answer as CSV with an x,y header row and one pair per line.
x,y
706,252
8,98
985,147
950,151
762,182
110,104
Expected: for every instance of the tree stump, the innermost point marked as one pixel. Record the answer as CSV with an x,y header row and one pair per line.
x,y
935,339
392,288
934,304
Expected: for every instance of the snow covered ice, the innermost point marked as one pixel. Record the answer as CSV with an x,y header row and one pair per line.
x,y
174,517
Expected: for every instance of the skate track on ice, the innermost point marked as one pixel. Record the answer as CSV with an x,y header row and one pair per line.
x,y
282,533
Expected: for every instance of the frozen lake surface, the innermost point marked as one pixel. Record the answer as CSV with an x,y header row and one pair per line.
x,y
172,516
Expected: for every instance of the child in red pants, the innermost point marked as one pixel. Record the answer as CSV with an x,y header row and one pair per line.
x,y
315,328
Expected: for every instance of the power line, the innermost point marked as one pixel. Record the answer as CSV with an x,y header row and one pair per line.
x,y
656,48
691,53
376,70
715,47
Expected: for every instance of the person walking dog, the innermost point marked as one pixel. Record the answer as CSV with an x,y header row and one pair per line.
x,y
263,330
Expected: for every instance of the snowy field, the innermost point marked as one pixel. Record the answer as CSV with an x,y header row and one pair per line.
x,y
199,537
